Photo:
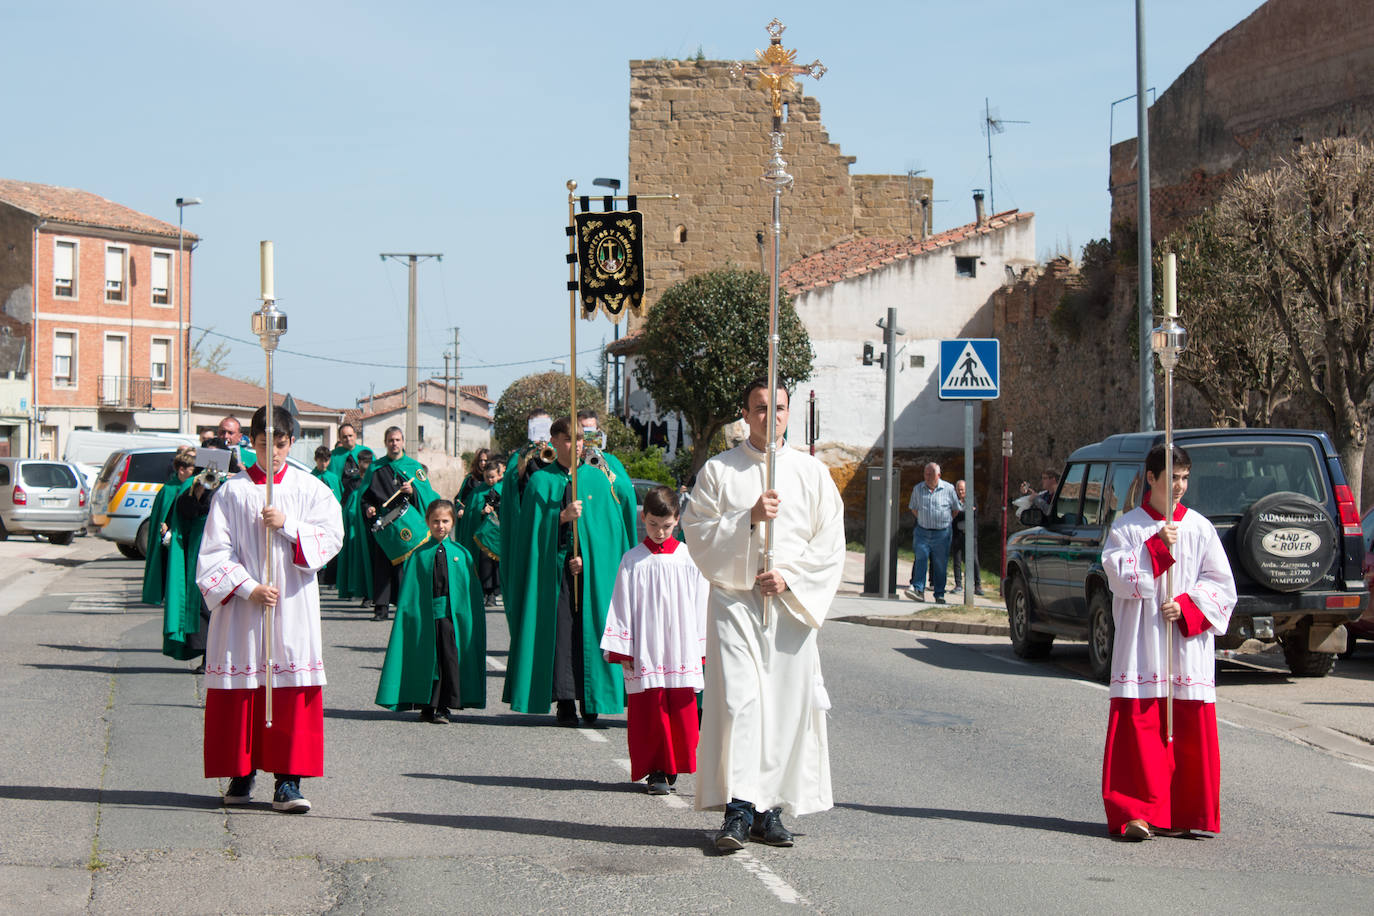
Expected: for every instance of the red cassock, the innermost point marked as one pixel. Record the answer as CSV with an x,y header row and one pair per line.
x,y
1175,787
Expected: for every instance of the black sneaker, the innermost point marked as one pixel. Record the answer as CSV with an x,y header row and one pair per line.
x,y
672,779
427,714
288,797
588,717
567,713
657,784
240,791
768,828
489,601
380,614
733,833
440,716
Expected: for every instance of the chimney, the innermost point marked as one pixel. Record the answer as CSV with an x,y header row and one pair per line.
x,y
980,216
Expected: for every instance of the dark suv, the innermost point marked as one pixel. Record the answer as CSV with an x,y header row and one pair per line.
x,y
1280,503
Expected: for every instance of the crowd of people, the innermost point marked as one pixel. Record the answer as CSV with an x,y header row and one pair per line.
x,y
709,649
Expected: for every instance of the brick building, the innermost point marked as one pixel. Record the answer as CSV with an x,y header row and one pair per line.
x,y
91,284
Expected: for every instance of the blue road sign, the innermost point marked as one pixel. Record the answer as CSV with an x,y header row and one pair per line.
x,y
970,369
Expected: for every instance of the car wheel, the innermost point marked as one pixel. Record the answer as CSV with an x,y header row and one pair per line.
x,y
1302,661
61,538
129,550
141,542
1286,541
1350,641
1024,642
1101,634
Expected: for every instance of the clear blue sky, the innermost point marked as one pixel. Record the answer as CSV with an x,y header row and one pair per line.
x,y
344,129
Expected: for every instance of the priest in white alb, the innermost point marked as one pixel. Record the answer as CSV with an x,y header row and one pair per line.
x,y
763,743
306,527
1149,785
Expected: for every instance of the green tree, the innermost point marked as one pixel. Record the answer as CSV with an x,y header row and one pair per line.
x,y
549,390
706,339
1309,222
1238,357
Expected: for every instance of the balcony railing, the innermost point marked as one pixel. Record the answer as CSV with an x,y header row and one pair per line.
x,y
126,391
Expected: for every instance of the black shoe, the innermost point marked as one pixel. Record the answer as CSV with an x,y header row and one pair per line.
x,y
489,601
672,779
427,714
240,791
657,784
288,796
588,717
939,600
768,828
979,592
733,833
380,614
567,713
440,715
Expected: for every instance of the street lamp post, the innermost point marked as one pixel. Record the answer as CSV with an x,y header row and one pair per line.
x,y
183,361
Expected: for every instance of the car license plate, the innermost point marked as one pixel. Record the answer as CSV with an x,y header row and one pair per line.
x,y
53,501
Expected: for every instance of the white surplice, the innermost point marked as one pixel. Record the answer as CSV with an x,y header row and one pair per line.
x,y
1200,571
231,565
657,618
763,735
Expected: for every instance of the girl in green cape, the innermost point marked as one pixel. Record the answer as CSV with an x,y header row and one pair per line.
x,y
436,658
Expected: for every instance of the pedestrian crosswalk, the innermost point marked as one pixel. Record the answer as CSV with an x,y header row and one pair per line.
x,y
110,601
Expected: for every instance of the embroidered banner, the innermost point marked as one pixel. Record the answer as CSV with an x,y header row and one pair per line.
x,y
610,256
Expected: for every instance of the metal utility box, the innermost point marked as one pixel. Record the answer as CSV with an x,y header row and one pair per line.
x,y
873,531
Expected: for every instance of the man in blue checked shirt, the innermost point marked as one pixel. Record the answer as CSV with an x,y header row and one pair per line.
x,y
934,503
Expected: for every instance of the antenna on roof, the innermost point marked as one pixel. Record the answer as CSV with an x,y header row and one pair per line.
x,y
992,124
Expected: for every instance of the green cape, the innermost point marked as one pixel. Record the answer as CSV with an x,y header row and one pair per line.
x,y
155,562
181,614
472,518
537,565
353,571
330,480
411,664
339,456
510,508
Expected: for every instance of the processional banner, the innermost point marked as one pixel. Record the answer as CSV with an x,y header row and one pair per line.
x,y
610,256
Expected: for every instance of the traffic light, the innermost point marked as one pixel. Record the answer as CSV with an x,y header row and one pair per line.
x,y
868,353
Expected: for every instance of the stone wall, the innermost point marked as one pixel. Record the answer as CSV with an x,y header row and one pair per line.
x,y
697,132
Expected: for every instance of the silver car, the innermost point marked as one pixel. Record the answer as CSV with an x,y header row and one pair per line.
x,y
41,497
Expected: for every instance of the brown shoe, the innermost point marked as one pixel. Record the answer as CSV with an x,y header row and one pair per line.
x,y
1136,831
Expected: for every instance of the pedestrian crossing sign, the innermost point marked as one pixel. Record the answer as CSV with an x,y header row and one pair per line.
x,y
970,368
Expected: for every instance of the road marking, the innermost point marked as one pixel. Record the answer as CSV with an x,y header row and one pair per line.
x,y
495,664
770,879
671,800
593,736
1363,766
1093,684
1238,725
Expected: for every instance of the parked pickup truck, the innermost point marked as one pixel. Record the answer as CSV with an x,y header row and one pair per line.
x,y
1280,502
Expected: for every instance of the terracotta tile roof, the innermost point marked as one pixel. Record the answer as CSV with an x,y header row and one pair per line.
x,y
82,208
855,257
627,345
431,390
209,389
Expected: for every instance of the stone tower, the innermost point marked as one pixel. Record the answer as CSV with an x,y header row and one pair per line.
x,y
698,132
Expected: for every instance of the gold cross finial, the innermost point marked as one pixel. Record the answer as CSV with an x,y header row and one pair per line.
x,y
776,68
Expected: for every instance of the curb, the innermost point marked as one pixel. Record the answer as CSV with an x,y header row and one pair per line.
x,y
929,624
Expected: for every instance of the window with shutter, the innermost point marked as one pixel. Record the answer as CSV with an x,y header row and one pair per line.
x,y
63,347
114,274
162,274
64,269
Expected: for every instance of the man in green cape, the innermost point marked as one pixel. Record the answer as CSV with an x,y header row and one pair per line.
x,y
613,468
439,613
160,523
345,460
353,574
537,425
560,610
394,479
230,432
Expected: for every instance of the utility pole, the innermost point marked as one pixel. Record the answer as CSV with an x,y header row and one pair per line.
x,y
412,358
446,404
1145,302
457,395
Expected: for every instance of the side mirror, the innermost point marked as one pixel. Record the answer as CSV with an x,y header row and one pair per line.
x,y
1032,517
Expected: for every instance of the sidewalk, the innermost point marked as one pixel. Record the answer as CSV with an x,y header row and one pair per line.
x,y
852,606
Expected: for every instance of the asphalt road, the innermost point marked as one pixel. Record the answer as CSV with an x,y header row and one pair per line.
x,y
966,780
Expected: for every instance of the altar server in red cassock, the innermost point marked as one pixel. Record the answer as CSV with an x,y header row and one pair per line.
x,y
1149,786
305,524
656,629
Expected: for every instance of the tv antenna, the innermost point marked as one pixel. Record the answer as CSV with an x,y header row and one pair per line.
x,y
992,124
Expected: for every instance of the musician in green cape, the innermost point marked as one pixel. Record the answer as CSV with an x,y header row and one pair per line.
x,y
394,481
353,575
186,618
436,656
615,471
559,610
345,460
512,485
480,513
160,522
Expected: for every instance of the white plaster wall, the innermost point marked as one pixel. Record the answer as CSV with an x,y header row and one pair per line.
x,y
472,433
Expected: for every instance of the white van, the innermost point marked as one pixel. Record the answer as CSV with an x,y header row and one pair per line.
x,y
88,449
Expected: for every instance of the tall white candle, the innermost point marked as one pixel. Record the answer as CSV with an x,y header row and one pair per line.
x,y
265,253
1170,285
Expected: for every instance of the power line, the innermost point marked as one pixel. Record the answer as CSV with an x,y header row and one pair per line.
x,y
357,362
